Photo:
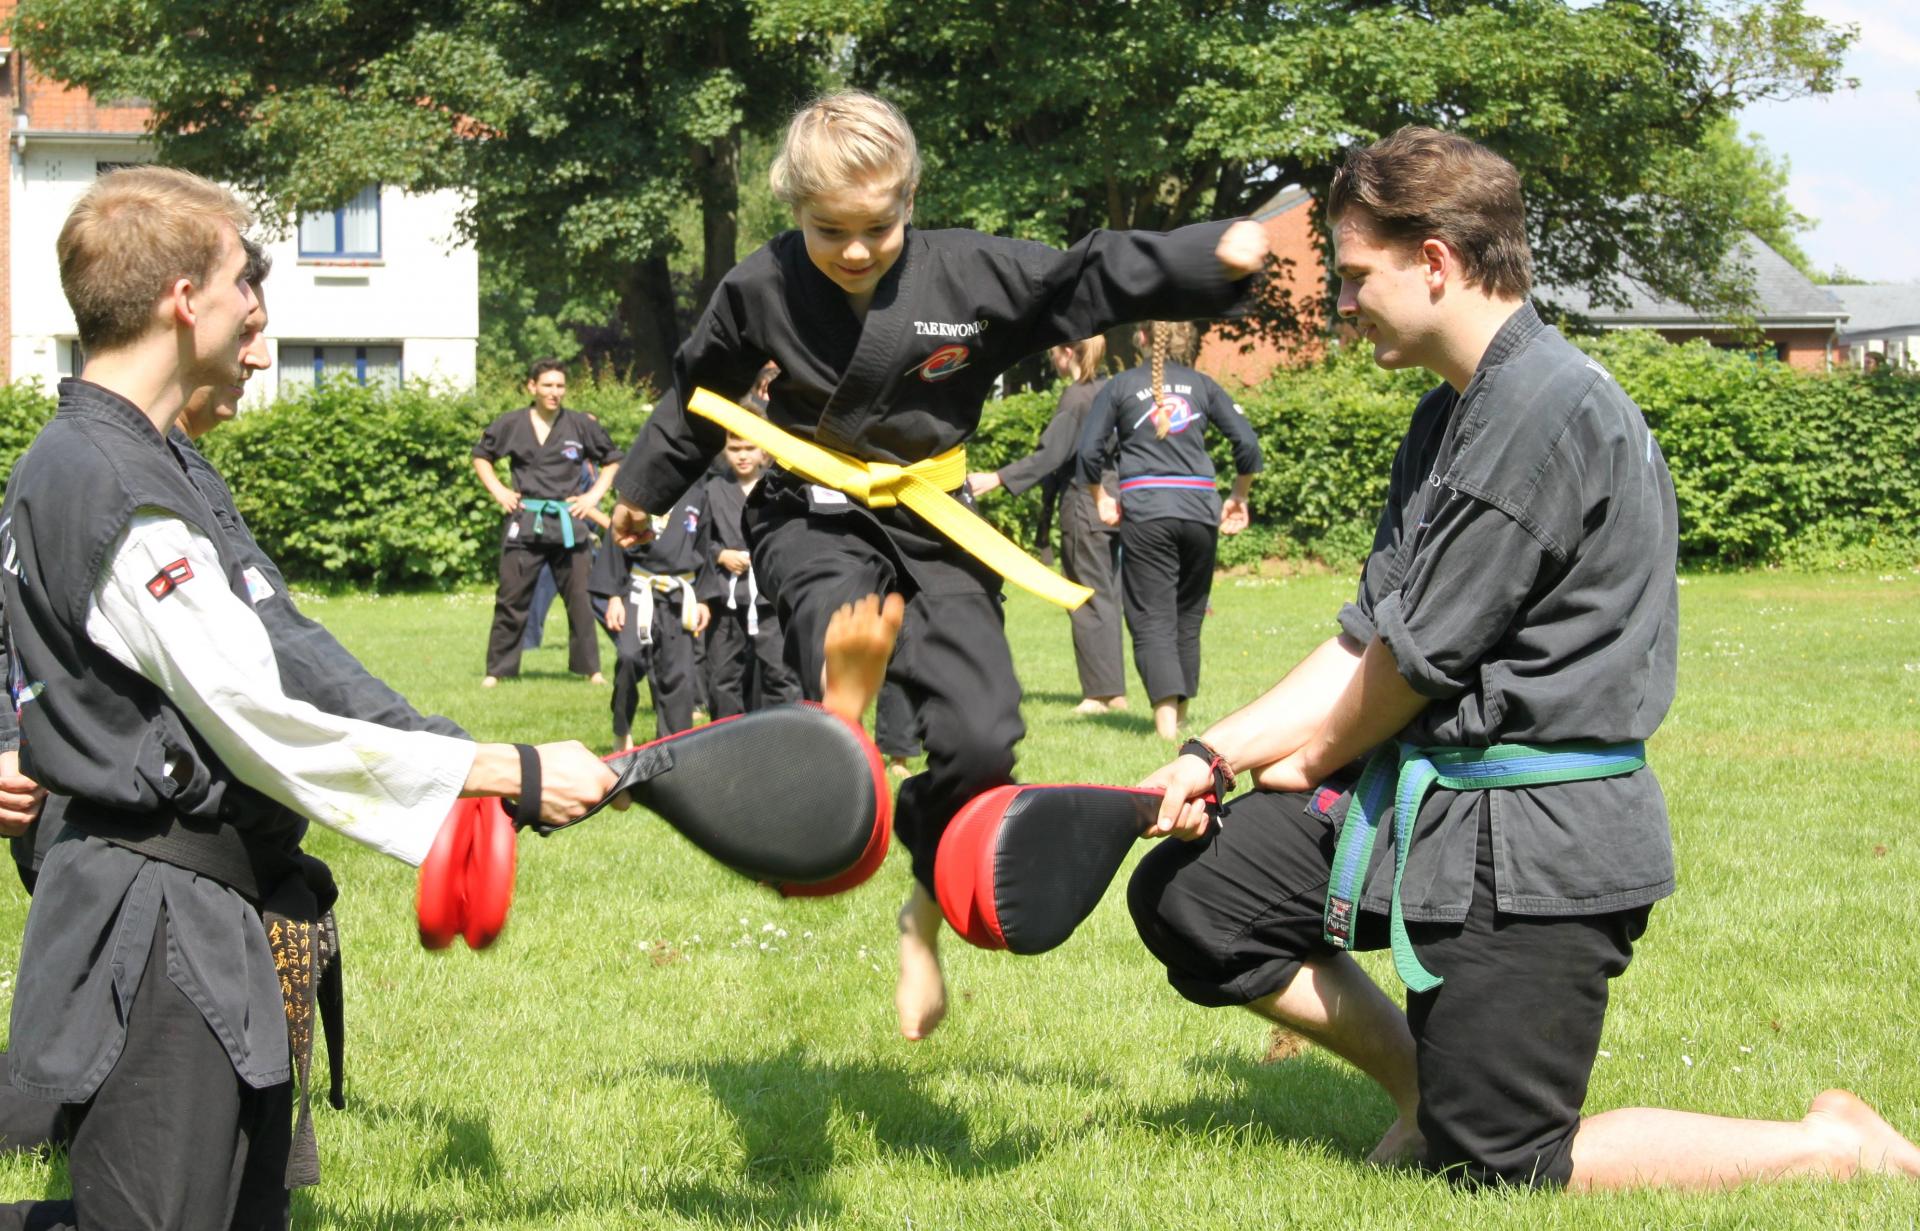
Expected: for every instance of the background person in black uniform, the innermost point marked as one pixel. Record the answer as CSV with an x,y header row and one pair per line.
x,y
746,661
1086,542
1169,509
147,995
655,617
889,340
1496,611
545,445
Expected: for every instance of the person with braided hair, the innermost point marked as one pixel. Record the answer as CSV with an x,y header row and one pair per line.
x,y
1168,507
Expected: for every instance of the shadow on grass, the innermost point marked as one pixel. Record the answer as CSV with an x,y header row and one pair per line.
x,y
1307,1098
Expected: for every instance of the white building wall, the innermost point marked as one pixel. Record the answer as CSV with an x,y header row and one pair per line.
x,y
422,294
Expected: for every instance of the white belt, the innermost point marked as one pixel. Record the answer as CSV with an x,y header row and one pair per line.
x,y
753,600
643,586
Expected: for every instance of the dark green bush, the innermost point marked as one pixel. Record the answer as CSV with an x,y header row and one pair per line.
x,y
349,485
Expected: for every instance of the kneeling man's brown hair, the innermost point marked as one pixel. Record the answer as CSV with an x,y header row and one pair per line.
x,y
1421,183
133,234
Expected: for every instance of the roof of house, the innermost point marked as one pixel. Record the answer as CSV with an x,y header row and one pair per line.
x,y
1892,307
1782,296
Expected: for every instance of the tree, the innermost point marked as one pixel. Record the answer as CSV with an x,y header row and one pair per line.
x,y
1160,112
581,132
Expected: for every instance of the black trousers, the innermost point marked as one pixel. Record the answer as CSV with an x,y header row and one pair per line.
x,y
1504,1046
173,1139
952,662
27,1123
894,731
742,667
667,665
512,600
1086,556
1166,574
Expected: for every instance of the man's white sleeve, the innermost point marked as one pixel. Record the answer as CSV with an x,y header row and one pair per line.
x,y
163,608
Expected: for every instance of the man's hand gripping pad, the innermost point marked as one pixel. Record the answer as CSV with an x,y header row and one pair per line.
x,y
1020,867
793,796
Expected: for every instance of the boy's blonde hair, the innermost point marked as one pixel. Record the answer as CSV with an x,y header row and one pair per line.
x,y
133,234
841,140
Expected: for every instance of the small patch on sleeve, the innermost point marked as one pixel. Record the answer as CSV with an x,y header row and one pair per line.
x,y
170,578
259,589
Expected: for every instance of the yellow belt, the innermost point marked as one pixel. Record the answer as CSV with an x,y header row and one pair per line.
x,y
922,487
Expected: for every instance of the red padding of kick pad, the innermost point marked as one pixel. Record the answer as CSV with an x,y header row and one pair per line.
x,y
876,852
1020,867
466,880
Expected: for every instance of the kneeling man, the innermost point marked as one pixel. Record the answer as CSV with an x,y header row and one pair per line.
x,y
1511,648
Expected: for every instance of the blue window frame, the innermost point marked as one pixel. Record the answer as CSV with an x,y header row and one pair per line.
x,y
353,230
364,364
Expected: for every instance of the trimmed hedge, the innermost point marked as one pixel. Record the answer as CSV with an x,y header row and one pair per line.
x,y
1771,466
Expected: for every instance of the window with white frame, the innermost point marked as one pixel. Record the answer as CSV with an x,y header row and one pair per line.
x,y
353,230
315,363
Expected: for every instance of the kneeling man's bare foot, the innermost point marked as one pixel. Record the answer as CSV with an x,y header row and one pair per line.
x,y
1401,1147
1858,1140
920,998
859,642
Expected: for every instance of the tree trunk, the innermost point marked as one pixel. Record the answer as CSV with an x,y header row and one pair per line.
x,y
647,315
717,169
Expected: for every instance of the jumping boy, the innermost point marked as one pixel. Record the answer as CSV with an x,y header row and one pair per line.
x,y
889,340
1511,649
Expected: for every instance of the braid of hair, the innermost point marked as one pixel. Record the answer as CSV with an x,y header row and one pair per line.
x,y
1162,405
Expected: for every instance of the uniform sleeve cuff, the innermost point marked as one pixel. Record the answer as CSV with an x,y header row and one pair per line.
x,y
1354,623
1415,667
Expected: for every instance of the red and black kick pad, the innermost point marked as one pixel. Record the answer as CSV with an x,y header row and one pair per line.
x,y
792,795
1020,867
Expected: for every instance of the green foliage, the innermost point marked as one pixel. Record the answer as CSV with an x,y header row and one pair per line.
x,y
24,409
1770,465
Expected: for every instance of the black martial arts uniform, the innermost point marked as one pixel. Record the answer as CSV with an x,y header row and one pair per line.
x,y
150,996
1086,542
903,385
746,661
1169,512
1523,577
656,583
314,667
533,537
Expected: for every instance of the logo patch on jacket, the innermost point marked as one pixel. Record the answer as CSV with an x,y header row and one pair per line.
x,y
692,519
170,578
943,363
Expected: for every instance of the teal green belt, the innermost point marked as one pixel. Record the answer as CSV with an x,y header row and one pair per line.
x,y
559,509
1410,772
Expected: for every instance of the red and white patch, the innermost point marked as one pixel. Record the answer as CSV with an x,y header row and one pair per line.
x,y
170,578
943,362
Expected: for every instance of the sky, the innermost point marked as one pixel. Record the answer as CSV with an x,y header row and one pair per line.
x,y
1855,155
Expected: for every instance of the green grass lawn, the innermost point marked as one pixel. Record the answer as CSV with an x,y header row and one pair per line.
x,y
656,1043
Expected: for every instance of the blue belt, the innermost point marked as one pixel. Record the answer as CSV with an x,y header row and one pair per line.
x,y
559,509
1410,772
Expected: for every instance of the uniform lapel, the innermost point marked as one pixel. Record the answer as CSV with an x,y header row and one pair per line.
x,y
883,336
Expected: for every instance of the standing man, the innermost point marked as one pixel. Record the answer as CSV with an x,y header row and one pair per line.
x,y
545,445
149,996
1511,648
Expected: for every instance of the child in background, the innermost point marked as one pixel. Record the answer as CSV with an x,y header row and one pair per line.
x,y
744,646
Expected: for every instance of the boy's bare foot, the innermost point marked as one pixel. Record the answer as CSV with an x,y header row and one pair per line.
x,y
898,767
1166,719
1858,1139
860,640
920,998
1115,703
1091,705
1401,1147
627,745
488,681
596,678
